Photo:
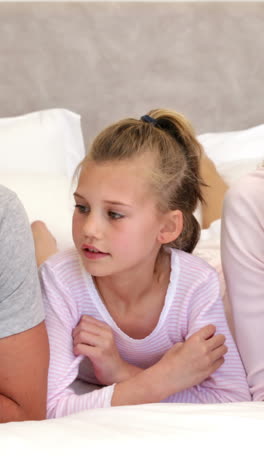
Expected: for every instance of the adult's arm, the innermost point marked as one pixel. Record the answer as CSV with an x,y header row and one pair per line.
x,y
23,340
23,375
242,249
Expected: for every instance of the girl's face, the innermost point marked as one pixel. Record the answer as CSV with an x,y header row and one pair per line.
x,y
116,223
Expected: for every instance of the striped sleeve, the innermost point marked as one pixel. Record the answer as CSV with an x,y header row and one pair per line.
x,y
61,317
228,383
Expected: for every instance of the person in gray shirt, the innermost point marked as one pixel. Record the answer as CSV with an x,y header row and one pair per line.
x,y
24,350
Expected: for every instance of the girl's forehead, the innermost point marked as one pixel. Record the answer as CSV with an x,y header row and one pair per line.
x,y
120,178
139,166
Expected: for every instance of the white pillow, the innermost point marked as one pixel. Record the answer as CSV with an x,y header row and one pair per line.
x,y
233,170
48,142
46,197
39,152
234,146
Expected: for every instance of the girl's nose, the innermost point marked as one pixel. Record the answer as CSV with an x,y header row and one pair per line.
x,y
92,226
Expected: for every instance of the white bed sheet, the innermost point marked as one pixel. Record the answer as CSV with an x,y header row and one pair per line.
x,y
229,435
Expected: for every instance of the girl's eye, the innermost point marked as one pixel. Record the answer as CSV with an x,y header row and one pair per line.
x,y
82,208
114,215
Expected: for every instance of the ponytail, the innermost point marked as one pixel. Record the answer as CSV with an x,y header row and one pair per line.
x,y
186,190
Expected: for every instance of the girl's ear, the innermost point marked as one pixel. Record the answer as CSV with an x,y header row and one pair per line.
x,y
171,227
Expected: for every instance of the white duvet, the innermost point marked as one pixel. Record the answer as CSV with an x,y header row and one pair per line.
x,y
167,434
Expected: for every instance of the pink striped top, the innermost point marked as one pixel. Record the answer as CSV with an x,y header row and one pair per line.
x,y
193,300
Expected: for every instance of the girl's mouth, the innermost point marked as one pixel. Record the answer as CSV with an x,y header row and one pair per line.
x,y
92,253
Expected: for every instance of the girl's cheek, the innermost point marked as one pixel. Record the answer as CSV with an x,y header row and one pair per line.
x,y
76,227
122,241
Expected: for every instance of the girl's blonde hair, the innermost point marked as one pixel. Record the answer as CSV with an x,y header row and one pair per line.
x,y
176,176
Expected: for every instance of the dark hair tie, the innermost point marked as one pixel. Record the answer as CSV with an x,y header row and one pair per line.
x,y
148,119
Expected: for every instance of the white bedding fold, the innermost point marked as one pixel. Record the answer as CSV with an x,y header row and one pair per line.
x,y
202,435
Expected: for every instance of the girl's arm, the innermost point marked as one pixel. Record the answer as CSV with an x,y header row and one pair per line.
x,y
61,318
228,383
182,367
95,340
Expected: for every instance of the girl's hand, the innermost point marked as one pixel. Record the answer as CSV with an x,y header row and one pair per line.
x,y
95,340
190,363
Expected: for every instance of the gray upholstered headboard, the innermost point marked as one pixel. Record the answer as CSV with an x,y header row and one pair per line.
x,y
111,60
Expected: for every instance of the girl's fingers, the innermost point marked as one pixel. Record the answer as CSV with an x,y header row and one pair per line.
x,y
216,341
88,338
85,350
218,363
90,324
90,319
206,332
82,327
218,353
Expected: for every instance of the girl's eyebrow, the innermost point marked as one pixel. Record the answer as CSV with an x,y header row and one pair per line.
x,y
76,194
111,202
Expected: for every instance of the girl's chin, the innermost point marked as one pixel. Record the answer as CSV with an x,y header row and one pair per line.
x,y
95,268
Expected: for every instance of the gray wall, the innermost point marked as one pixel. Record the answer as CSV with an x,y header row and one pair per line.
x,y
111,60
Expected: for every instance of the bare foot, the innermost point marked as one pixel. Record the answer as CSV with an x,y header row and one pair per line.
x,y
45,243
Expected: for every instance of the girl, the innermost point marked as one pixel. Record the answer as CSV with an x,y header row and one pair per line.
x,y
131,309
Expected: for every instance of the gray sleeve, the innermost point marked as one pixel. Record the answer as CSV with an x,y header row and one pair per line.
x,y
20,298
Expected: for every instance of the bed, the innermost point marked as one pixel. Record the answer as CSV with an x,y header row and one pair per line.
x,y
69,69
